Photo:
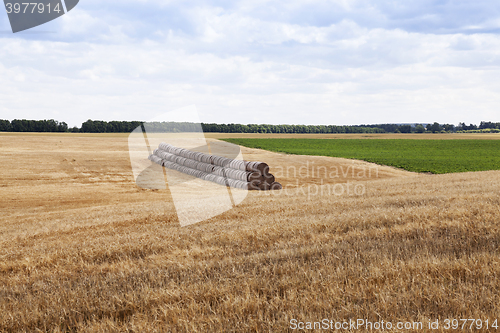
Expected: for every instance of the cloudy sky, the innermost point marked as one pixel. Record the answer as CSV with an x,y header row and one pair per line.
x,y
292,62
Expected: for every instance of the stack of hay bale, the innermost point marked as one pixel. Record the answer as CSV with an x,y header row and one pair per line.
x,y
217,169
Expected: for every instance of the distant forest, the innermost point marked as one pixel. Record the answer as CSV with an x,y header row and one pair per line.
x,y
99,126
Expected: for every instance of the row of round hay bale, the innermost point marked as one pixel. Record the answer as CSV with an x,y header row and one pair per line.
x,y
219,171
255,175
243,175
215,179
216,160
234,174
184,161
209,168
197,156
168,156
198,165
262,167
221,161
155,159
238,174
183,169
238,165
205,176
237,184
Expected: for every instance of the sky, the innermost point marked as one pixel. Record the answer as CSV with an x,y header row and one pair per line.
x,y
275,62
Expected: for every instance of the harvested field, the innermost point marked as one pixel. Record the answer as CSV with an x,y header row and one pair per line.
x,y
82,248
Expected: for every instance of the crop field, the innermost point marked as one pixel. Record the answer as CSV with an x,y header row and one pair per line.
x,y
365,136
434,156
83,249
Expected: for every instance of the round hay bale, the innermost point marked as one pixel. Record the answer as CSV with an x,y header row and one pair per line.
x,y
206,159
241,185
275,186
155,159
269,178
205,167
254,185
212,178
264,186
238,165
220,180
251,166
201,157
168,164
262,167
255,175
219,171
221,161
165,146
236,174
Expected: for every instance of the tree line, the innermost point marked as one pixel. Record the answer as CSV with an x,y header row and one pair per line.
x,y
24,125
99,126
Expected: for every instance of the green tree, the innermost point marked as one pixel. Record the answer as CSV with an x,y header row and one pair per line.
x,y
5,126
419,128
449,127
434,128
405,128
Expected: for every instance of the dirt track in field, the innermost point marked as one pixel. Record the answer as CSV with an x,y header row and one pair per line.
x,y
83,248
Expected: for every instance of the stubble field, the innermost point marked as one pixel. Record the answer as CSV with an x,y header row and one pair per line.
x,y
82,248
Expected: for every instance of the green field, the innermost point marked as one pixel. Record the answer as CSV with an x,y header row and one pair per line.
x,y
435,156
